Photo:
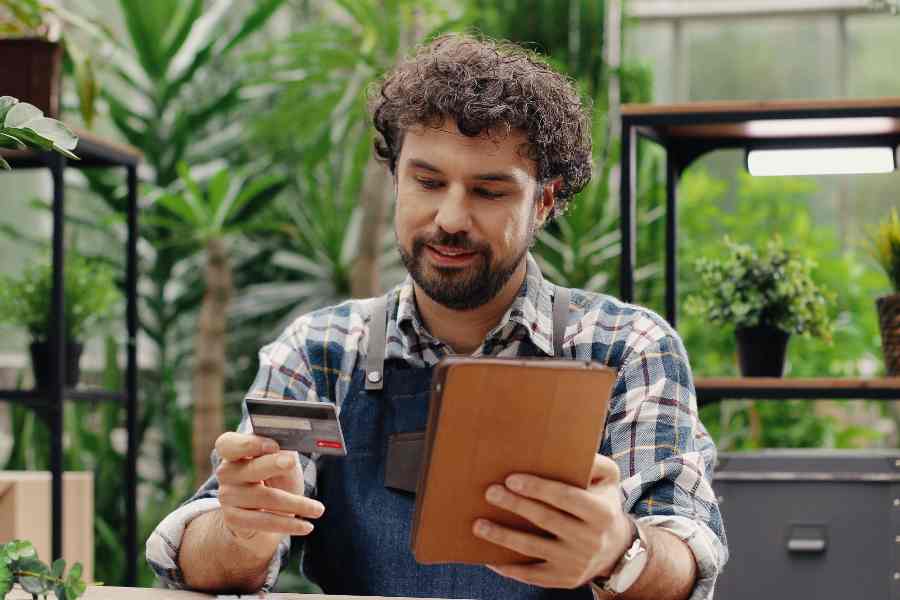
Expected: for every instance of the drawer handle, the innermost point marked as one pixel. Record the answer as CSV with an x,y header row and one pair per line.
x,y
807,546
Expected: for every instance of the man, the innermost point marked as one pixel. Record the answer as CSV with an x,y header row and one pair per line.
x,y
485,143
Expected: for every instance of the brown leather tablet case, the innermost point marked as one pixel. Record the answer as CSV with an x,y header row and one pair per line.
x,y
488,418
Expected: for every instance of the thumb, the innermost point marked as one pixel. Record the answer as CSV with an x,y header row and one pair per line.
x,y
605,471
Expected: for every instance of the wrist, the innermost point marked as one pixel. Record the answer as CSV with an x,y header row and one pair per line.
x,y
631,564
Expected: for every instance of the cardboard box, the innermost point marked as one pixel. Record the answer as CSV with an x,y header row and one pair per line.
x,y
25,513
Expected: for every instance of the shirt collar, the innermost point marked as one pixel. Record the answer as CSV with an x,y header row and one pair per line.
x,y
531,312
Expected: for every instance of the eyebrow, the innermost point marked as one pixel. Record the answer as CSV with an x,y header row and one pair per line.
x,y
501,177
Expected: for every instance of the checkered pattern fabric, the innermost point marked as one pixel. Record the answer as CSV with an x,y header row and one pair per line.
x,y
653,432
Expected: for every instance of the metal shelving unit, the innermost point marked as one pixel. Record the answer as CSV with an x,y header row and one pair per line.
x,y
687,132
94,152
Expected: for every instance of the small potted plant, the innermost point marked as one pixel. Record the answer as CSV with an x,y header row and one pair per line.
x,y
32,45
90,293
886,250
765,296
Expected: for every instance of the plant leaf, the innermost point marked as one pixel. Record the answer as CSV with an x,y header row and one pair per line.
x,y
20,114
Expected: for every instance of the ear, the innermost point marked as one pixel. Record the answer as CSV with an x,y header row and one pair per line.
x,y
546,201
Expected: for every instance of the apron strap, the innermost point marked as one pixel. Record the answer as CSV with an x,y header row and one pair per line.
x,y
377,343
560,318
378,334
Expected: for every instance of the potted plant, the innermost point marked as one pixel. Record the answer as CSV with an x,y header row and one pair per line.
x,y
886,249
32,47
90,292
766,296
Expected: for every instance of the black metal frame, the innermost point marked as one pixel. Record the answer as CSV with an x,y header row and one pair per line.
x,y
682,151
49,403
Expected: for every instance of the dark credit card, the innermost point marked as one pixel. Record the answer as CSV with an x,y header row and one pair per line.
x,y
306,427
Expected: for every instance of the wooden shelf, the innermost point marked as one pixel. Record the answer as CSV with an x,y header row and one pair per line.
x,y
713,389
40,397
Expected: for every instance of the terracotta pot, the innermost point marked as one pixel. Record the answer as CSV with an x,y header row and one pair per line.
x,y
41,363
30,70
889,323
761,351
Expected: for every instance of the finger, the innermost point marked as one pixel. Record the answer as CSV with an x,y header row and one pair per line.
x,y
567,498
258,469
549,519
604,471
235,446
256,520
527,544
263,497
538,574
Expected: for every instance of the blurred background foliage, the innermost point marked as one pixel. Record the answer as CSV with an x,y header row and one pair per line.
x,y
269,96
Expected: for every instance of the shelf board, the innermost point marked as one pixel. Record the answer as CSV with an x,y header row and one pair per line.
x,y
711,389
39,397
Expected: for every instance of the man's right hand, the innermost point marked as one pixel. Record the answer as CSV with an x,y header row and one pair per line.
x,y
261,492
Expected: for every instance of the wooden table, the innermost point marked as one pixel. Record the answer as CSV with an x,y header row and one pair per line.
x,y
121,593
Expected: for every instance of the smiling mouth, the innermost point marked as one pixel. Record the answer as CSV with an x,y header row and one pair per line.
x,y
450,252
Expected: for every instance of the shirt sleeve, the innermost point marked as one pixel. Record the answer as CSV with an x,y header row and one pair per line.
x,y
665,455
273,380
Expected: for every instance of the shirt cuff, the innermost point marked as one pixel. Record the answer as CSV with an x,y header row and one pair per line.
x,y
709,552
165,542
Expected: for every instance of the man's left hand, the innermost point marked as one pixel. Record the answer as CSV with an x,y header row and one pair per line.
x,y
591,531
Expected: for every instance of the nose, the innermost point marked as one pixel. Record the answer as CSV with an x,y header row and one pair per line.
x,y
453,214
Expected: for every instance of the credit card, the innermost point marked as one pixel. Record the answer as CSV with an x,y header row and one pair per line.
x,y
298,425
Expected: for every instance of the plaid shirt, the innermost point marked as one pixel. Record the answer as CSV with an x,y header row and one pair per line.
x,y
653,432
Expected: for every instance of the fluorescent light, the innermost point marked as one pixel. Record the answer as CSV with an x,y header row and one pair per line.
x,y
821,161
821,127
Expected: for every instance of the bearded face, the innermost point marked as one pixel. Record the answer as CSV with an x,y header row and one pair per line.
x,y
467,211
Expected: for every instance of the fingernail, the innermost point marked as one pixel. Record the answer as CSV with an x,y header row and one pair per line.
x,y
320,510
482,527
284,461
515,483
308,527
270,447
494,494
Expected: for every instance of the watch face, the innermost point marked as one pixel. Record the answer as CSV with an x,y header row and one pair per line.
x,y
630,572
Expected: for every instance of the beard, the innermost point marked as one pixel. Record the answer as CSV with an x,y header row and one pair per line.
x,y
461,288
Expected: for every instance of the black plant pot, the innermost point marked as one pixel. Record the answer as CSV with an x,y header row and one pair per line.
x,y
41,363
761,351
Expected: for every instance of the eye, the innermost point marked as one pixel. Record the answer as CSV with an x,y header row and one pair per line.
x,y
488,193
429,184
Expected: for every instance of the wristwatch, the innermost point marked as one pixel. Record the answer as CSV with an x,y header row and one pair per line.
x,y
630,566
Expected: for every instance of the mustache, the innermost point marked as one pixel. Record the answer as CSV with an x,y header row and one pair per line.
x,y
459,241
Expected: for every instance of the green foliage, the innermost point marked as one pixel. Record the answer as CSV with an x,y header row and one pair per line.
x,y
22,124
90,292
772,287
19,564
763,207
885,247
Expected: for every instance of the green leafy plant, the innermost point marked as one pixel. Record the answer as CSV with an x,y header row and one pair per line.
x,y
90,293
885,247
772,287
36,18
19,564
22,124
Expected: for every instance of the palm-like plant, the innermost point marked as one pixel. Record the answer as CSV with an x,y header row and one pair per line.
x,y
206,219
174,90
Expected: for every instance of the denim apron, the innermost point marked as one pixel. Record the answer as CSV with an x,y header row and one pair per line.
x,y
361,545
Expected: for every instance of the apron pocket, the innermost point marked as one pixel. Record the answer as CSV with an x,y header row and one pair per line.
x,y
404,461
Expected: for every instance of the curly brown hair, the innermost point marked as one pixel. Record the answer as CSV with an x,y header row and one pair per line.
x,y
488,86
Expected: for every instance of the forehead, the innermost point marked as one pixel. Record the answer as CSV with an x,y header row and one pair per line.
x,y
453,152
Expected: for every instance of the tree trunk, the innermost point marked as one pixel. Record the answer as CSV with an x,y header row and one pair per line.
x,y
374,201
375,197
209,361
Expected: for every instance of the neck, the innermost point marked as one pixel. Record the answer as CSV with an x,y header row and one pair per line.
x,y
465,330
